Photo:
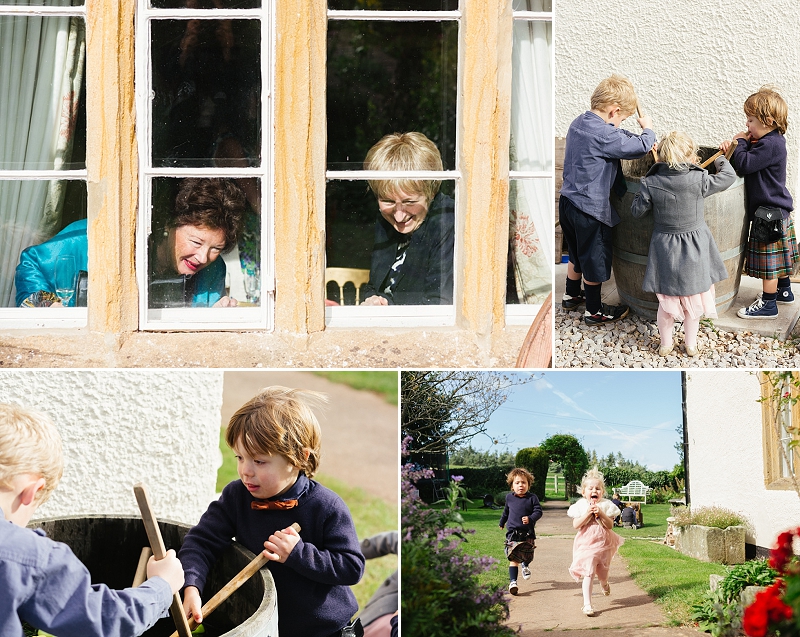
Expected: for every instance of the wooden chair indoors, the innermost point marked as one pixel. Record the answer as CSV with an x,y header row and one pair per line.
x,y
341,276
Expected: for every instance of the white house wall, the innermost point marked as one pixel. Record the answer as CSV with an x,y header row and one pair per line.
x,y
692,63
726,462
122,427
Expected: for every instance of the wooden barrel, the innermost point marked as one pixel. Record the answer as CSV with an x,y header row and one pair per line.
x,y
110,548
726,216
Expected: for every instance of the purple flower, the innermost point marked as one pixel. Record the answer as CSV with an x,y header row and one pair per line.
x,y
456,478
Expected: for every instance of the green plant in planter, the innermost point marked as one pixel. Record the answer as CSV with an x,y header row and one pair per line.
x,y
719,612
716,517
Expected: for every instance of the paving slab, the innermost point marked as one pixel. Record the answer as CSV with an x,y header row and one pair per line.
x,y
551,600
782,327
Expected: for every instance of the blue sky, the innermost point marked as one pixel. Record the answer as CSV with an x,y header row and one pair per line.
x,y
635,413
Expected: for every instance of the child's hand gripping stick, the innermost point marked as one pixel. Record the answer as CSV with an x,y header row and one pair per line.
x,y
159,552
237,582
652,150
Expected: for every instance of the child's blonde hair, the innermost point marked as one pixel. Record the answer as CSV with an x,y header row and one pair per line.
x,y
29,443
279,421
593,474
404,151
766,105
678,150
521,472
615,89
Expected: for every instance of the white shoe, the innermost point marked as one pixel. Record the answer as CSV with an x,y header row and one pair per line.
x,y
512,587
588,610
526,572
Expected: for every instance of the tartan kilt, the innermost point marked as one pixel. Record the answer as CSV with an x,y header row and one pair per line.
x,y
772,260
520,551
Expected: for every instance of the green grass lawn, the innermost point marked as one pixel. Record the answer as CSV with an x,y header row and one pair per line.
x,y
674,580
383,383
371,515
654,517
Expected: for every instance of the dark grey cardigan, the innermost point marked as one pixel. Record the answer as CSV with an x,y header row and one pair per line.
x,y
683,258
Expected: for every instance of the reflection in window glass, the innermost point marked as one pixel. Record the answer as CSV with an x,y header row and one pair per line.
x,y
411,267
206,4
30,252
529,274
533,5
390,76
198,227
42,86
206,93
395,5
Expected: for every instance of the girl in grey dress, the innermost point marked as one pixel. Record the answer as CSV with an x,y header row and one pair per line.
x,y
683,262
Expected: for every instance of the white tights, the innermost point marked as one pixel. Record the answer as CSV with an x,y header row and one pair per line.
x,y
666,322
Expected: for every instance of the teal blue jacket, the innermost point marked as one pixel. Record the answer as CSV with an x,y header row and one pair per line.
x,y
36,269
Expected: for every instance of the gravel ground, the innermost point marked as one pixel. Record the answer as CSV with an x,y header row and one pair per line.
x,y
633,342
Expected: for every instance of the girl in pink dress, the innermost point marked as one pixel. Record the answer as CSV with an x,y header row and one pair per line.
x,y
595,544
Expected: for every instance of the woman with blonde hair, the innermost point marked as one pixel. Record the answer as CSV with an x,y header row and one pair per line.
x,y
683,262
412,256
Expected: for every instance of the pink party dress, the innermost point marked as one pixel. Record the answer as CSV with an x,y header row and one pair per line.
x,y
594,544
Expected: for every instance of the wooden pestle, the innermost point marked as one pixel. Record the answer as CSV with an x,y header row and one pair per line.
x,y
237,582
160,552
141,569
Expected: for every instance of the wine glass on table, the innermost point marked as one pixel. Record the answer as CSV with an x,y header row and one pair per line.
x,y
66,276
252,285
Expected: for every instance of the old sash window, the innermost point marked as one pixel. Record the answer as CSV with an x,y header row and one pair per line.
x,y
203,94
530,256
42,162
393,70
781,459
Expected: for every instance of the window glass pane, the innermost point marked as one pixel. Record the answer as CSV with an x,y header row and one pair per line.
x,y
205,242
206,93
42,93
205,4
529,270
412,267
42,221
532,5
386,77
395,5
531,97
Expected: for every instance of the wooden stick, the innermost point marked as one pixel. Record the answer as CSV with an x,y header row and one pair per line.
x,y
731,148
711,159
160,552
236,583
141,568
652,150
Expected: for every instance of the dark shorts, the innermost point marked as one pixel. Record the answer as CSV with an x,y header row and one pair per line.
x,y
588,242
772,260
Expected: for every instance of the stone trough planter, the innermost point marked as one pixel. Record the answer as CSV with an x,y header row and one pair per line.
x,y
110,549
710,544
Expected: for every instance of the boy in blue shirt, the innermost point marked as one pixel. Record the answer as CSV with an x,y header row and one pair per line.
x,y
41,581
595,145
521,512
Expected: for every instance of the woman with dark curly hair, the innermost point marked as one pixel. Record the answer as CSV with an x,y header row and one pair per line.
x,y
184,268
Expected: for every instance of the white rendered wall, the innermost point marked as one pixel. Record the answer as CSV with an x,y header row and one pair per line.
x,y
726,461
121,427
693,63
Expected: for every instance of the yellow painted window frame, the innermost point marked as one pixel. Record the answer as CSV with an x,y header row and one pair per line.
x,y
773,460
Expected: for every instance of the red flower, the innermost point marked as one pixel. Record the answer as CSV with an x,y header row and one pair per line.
x,y
767,608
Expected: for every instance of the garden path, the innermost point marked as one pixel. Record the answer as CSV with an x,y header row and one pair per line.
x,y
551,600
359,429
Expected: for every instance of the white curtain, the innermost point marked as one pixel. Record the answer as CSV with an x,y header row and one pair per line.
x,y
41,71
531,200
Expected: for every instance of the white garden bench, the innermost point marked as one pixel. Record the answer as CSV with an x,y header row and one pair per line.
x,y
634,489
